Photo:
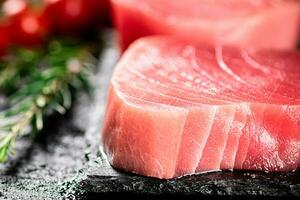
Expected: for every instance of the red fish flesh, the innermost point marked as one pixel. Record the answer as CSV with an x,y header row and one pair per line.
x,y
247,23
175,108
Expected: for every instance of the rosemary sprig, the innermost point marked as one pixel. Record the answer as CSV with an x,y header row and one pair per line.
x,y
48,89
17,66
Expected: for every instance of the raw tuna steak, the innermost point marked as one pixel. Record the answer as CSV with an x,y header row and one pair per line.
x,y
175,109
247,23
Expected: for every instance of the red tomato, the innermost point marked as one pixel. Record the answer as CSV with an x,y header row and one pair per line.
x,y
30,28
104,10
5,40
71,16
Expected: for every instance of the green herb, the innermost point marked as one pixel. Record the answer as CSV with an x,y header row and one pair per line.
x,y
17,66
48,88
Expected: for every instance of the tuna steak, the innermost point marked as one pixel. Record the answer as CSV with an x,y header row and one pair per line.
x,y
175,108
247,23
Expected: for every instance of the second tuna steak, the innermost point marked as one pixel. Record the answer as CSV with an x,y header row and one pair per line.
x,y
246,23
175,108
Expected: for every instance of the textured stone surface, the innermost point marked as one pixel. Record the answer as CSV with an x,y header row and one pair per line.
x,y
210,184
65,162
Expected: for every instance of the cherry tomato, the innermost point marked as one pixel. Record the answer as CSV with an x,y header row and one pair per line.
x,y
30,28
71,16
104,11
5,40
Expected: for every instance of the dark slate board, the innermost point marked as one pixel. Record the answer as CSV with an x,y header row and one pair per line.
x,y
102,179
65,162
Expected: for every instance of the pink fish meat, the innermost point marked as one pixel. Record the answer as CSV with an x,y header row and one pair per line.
x,y
246,23
176,108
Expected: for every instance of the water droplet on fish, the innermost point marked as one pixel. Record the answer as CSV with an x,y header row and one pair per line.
x,y
190,78
151,80
174,80
189,84
197,80
183,74
162,73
